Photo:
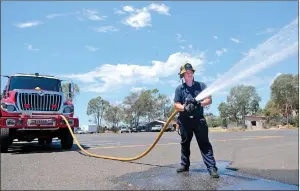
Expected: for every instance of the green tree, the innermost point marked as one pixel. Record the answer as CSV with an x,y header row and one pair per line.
x,y
242,100
285,94
65,89
271,109
154,104
97,107
114,115
146,105
224,113
132,109
164,106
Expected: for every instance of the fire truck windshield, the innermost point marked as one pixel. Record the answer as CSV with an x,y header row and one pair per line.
x,y
28,82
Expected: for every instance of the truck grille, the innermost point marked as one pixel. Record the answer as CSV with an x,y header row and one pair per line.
x,y
36,102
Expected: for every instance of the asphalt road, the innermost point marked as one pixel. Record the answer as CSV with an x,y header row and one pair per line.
x,y
246,160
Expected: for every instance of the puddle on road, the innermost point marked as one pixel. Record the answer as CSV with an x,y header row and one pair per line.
x,y
166,178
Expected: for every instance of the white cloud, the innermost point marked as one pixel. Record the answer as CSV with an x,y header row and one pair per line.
x,y
215,37
30,48
162,8
256,81
28,24
221,52
51,16
106,29
79,18
137,89
128,8
244,53
266,31
179,37
207,79
172,83
182,47
235,40
93,15
91,48
140,18
213,62
109,77
119,12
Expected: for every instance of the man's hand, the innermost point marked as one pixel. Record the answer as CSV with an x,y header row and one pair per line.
x,y
190,101
193,101
189,108
206,101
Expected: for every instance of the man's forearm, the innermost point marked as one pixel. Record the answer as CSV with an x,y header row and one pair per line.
x,y
206,102
179,107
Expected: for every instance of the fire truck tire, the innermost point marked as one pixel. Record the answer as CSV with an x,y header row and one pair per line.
x,y
66,141
5,139
48,141
41,141
45,141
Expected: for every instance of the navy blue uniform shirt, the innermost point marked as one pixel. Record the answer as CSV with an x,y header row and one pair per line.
x,y
184,91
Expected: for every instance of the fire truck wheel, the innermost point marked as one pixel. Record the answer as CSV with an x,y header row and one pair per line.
x,y
45,141
66,140
5,139
41,141
48,141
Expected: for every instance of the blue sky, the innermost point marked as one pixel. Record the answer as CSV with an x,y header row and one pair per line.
x,y
112,48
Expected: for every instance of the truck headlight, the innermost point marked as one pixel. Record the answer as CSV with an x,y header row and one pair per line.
x,y
68,109
10,122
8,107
70,121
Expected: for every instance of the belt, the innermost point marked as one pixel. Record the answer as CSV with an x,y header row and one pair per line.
x,y
184,117
197,117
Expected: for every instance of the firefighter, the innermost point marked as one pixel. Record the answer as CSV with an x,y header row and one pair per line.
x,y
191,120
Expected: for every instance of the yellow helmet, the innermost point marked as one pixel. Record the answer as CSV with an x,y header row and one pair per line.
x,y
184,68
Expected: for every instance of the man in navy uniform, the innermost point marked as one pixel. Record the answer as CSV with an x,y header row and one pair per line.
x,y
191,120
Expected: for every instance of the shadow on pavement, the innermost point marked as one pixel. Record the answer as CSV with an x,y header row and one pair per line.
x,y
198,179
34,147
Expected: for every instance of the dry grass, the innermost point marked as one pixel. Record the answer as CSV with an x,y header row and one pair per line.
x,y
217,129
234,129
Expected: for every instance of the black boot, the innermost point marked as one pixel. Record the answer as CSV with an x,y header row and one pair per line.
x,y
214,173
182,169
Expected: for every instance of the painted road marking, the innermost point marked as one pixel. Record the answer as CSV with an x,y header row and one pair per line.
x,y
164,144
249,138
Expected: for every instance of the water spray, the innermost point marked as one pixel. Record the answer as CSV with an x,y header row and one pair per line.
x,y
276,49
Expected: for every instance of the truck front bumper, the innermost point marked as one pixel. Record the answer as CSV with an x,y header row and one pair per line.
x,y
38,122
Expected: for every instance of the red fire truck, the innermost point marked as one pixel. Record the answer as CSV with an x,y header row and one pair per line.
x,y
31,105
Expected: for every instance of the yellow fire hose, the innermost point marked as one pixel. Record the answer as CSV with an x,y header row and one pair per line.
x,y
119,158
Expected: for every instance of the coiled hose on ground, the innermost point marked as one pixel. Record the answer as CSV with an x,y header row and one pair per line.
x,y
119,158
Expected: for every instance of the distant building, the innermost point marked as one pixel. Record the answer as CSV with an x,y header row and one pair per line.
x,y
255,122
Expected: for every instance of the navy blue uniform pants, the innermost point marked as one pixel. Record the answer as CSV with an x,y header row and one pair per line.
x,y
199,127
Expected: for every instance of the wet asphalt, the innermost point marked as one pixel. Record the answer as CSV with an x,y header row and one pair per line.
x,y
246,160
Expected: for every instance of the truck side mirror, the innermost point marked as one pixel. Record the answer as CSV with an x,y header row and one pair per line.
x,y
70,91
4,92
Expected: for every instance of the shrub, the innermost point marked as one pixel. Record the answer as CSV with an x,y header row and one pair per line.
x,y
114,129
